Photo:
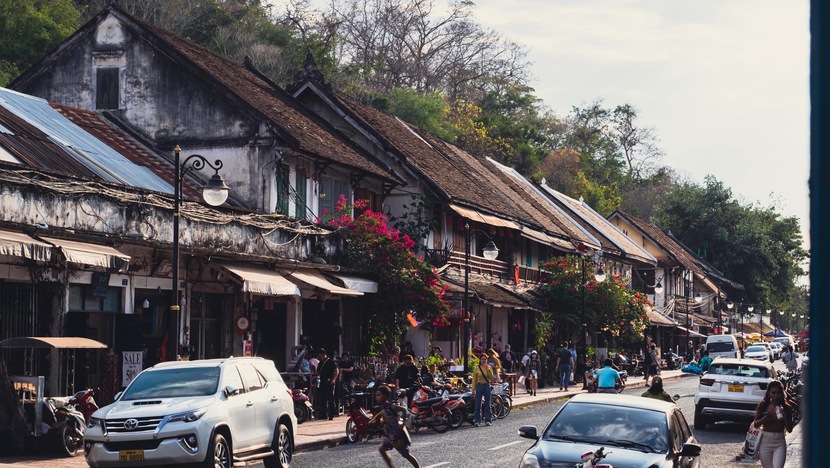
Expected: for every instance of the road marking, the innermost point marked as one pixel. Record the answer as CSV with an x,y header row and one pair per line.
x,y
506,445
437,465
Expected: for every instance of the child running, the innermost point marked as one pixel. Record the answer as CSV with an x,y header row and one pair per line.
x,y
396,435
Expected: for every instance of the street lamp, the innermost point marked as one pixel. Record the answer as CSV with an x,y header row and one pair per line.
x,y
599,275
215,193
490,253
729,306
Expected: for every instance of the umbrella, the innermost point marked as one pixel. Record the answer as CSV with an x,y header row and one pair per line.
x,y
775,333
803,334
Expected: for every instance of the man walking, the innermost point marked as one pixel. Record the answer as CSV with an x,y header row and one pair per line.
x,y
572,349
564,362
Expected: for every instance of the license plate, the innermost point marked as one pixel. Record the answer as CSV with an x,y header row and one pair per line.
x,y
736,387
130,455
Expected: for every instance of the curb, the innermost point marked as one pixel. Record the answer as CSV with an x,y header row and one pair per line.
x,y
329,443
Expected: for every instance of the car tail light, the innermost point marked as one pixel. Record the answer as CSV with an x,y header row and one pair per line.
x,y
707,382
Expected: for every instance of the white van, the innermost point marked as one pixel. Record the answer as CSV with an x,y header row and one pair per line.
x,y
725,346
785,340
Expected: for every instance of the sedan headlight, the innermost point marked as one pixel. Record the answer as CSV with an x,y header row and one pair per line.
x,y
93,422
189,416
529,460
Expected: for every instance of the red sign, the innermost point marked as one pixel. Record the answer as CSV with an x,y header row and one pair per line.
x,y
248,348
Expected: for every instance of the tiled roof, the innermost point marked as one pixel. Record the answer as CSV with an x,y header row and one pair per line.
x,y
487,292
455,174
304,131
677,250
116,139
609,236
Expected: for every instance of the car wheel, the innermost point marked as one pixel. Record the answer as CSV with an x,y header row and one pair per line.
x,y
700,420
219,453
283,449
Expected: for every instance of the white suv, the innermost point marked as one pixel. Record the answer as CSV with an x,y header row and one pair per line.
x,y
730,390
213,412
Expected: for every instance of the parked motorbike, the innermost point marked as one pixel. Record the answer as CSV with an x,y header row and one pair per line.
x,y
357,426
429,412
84,402
66,424
302,405
592,459
673,361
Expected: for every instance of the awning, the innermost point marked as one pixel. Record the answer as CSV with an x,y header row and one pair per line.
x,y
689,332
480,217
355,283
543,238
657,319
316,279
17,244
262,281
63,342
90,254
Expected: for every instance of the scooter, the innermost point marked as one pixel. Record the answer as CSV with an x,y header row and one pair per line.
x,y
592,382
429,412
302,405
67,424
357,426
84,401
592,459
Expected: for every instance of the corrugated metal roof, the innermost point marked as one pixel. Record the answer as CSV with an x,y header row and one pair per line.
x,y
99,158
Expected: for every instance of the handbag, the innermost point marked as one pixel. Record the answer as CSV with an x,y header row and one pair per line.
x,y
751,444
521,379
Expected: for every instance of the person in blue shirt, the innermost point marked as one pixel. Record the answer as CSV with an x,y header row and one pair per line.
x,y
607,378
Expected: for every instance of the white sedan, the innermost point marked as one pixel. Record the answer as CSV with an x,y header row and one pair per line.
x,y
757,352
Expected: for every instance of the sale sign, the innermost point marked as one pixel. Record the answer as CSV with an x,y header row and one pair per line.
x,y
132,363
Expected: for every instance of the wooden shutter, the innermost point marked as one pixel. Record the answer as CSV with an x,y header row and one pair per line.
x,y
106,88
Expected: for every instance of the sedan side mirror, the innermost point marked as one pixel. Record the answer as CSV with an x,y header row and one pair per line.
x,y
528,432
690,450
676,397
231,391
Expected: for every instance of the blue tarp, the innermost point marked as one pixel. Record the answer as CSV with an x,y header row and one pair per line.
x,y
775,333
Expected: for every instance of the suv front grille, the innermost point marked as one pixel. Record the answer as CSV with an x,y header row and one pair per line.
x,y
144,424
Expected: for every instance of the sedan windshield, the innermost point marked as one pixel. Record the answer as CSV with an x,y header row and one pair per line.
x,y
756,349
169,383
602,424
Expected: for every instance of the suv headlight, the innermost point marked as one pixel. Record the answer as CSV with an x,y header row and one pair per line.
x,y
189,416
93,422
529,460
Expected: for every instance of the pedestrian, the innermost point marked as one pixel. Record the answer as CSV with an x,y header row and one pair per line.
x,y
572,349
564,363
482,379
607,378
705,361
773,416
347,371
395,433
525,359
652,367
532,370
508,360
328,372
406,351
656,390
407,377
495,363
790,358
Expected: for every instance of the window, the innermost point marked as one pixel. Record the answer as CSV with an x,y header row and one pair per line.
x,y
83,298
300,208
232,379
283,187
107,86
250,377
330,191
171,383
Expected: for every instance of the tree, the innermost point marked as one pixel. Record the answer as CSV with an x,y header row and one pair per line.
x,y
29,29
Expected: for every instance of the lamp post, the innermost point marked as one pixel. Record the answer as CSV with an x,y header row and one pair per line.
x,y
729,306
215,193
600,277
490,253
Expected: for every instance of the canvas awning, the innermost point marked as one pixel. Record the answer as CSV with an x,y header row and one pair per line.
x,y
90,254
355,283
484,218
691,333
315,279
17,244
56,342
257,280
657,319
542,238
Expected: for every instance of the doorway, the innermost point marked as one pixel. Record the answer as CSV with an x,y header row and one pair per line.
x,y
205,325
269,339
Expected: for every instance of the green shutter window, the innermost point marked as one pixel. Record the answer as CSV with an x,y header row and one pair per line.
x,y
282,189
300,209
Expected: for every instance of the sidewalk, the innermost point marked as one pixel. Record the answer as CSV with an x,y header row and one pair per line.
x,y
795,440
314,435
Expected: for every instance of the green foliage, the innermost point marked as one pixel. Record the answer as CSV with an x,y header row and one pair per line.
x,y
31,28
752,245
425,110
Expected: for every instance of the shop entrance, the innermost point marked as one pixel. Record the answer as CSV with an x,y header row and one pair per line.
x,y
269,339
205,325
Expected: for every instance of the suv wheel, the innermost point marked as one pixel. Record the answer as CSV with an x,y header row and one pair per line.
x,y
219,454
700,419
283,449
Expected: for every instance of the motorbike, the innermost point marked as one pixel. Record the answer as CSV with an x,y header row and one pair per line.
x,y
84,402
592,382
592,459
66,423
430,412
673,361
357,426
302,405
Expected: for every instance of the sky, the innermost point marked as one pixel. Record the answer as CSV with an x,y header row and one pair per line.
x,y
725,84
